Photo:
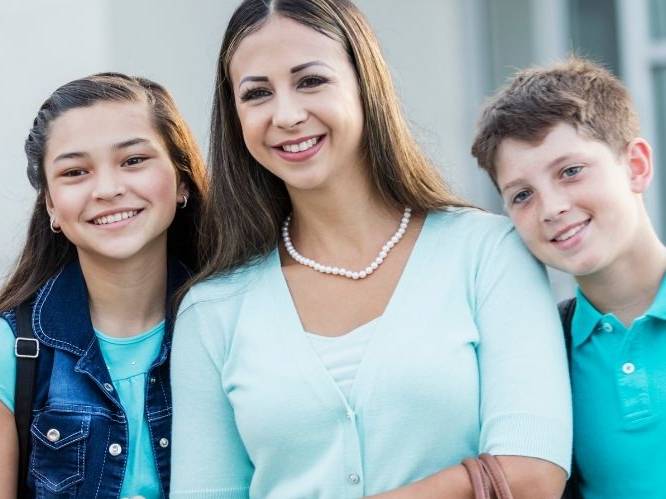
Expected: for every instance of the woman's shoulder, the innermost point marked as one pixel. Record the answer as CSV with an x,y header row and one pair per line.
x,y
470,224
226,289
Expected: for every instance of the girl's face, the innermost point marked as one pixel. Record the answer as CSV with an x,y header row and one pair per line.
x,y
112,187
298,102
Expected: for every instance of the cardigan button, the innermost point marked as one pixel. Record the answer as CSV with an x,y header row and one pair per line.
x,y
354,479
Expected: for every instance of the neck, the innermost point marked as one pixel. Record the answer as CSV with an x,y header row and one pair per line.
x,y
126,297
627,287
343,223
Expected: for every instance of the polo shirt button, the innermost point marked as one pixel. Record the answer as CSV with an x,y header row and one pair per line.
x,y
353,478
115,449
628,368
164,442
607,327
108,387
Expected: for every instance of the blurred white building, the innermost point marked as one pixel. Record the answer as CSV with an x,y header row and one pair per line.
x,y
446,57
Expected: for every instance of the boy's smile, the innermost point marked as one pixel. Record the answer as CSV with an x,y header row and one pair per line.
x,y
575,203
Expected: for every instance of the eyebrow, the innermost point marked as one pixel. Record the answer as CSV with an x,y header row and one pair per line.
x,y
116,147
293,70
558,160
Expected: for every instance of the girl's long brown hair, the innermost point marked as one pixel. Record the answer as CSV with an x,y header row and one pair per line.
x,y
248,203
45,252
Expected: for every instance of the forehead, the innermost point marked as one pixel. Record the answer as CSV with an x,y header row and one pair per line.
x,y
283,43
100,125
518,158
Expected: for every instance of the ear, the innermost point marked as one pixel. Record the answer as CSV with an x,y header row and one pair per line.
x,y
182,189
639,160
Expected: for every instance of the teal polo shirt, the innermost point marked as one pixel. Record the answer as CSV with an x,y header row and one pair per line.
x,y
618,378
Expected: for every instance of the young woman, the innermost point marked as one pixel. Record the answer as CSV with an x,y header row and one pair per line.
x,y
360,331
113,235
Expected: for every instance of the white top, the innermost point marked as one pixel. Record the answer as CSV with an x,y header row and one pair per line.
x,y
341,355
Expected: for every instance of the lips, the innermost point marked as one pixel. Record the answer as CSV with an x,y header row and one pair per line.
x,y
114,217
300,149
569,231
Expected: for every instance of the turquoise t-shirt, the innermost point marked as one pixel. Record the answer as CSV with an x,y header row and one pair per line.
x,y
128,361
618,377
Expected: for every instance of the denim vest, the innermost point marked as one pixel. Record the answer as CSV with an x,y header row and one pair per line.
x,y
78,426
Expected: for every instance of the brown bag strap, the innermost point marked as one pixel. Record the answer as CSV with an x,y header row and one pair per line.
x,y
496,475
487,478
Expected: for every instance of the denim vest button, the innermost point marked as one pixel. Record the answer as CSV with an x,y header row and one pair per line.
x,y
108,387
152,379
164,443
115,449
53,435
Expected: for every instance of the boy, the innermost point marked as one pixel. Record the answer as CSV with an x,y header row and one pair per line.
x,y
561,145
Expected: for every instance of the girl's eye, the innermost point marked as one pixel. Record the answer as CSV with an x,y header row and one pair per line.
x,y
571,171
312,81
254,94
135,160
520,197
74,172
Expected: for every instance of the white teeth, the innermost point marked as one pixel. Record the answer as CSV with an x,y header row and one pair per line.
x,y
116,217
303,146
570,233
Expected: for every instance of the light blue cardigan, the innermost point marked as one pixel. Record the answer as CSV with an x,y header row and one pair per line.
x,y
468,357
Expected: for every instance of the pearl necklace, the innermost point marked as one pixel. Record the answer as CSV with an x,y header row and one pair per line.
x,y
361,274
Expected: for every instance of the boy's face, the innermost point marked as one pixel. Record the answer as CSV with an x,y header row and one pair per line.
x,y
573,201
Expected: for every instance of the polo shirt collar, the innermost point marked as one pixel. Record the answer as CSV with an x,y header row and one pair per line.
x,y
586,316
585,319
658,307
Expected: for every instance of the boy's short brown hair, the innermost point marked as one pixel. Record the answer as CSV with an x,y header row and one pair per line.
x,y
577,91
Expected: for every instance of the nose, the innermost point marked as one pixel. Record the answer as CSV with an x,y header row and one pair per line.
x,y
109,184
554,204
289,111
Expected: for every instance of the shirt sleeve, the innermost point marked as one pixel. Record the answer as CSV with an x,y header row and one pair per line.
x,y
7,365
525,391
208,456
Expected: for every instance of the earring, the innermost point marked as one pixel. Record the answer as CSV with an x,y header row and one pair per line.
x,y
54,229
184,203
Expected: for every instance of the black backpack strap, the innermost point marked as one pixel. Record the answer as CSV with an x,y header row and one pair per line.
x,y
566,309
26,349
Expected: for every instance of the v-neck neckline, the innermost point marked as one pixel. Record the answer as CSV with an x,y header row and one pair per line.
x,y
310,361
404,277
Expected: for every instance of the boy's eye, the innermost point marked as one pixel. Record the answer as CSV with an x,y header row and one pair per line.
x,y
520,197
135,160
312,81
571,171
254,94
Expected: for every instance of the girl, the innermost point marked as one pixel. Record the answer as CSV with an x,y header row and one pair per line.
x,y
113,233
360,331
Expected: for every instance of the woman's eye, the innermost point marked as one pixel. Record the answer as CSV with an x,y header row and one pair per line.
x,y
254,94
520,197
571,171
312,81
135,160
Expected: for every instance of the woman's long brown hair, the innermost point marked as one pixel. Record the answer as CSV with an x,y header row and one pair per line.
x,y
46,252
247,202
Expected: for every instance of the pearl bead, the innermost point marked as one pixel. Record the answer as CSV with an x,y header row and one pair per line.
x,y
362,274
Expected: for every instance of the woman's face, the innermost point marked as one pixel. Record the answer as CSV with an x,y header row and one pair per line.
x,y
112,187
298,102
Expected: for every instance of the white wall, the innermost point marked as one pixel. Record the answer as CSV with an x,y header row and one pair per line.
x,y
45,43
